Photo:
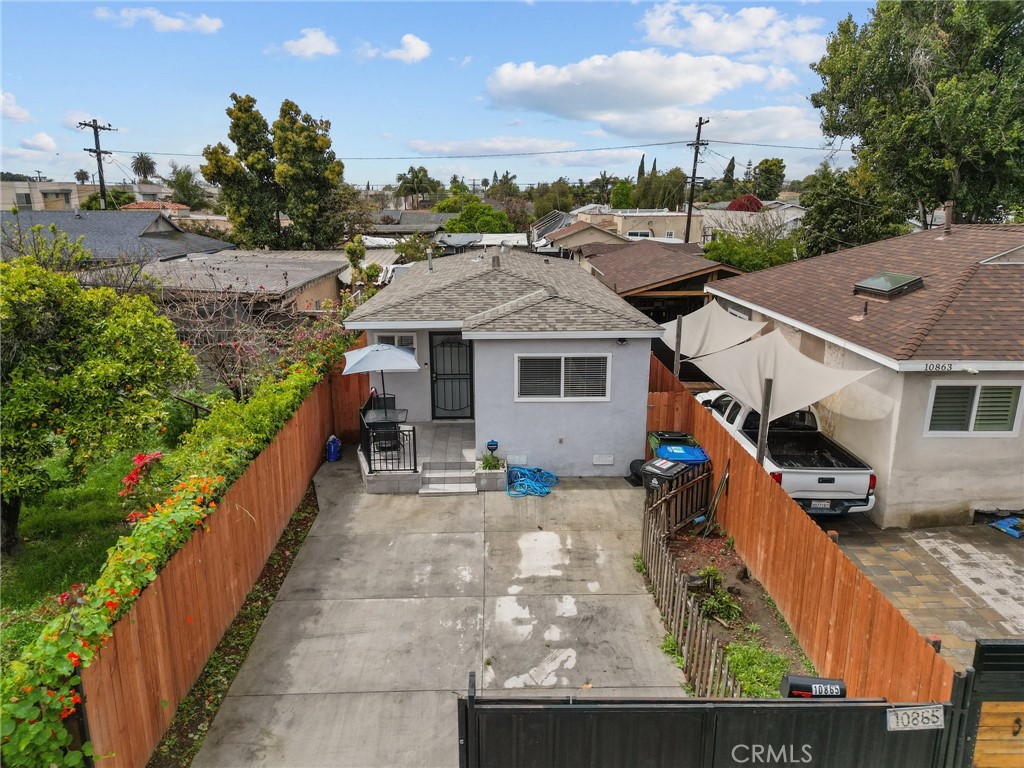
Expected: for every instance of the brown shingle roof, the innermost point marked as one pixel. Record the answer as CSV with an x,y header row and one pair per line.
x,y
522,292
647,263
966,310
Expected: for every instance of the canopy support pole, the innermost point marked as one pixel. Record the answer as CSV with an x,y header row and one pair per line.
x,y
762,427
678,347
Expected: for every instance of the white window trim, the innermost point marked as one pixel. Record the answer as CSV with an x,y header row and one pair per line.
x,y
977,384
670,233
395,335
563,355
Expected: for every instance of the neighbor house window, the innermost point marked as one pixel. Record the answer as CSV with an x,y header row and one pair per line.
x,y
639,233
404,340
974,408
670,233
562,377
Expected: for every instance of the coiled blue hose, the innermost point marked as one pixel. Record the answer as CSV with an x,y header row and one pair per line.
x,y
529,481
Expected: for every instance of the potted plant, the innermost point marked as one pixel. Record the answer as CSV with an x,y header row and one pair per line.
x,y
490,474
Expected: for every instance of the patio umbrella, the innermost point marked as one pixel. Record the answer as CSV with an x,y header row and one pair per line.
x,y
380,358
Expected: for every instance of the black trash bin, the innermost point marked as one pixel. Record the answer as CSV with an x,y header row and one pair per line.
x,y
657,472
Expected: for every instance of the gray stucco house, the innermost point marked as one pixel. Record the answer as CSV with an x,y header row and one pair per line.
x,y
535,352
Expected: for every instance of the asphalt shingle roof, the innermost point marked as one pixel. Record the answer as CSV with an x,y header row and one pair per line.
x,y
643,264
508,292
115,234
247,272
966,310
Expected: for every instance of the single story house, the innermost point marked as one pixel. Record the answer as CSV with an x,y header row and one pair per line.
x,y
563,241
642,222
533,351
394,222
114,235
663,281
783,218
940,315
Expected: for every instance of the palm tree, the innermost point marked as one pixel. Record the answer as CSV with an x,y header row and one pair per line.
x,y
143,166
416,182
82,176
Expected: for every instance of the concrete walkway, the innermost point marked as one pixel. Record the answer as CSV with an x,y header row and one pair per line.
x,y
961,583
394,599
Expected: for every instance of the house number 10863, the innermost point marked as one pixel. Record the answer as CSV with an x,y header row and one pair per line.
x,y
938,366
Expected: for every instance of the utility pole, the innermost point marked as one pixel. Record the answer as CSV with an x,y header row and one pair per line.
x,y
693,176
98,154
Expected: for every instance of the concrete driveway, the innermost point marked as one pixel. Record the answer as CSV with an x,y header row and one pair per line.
x,y
393,600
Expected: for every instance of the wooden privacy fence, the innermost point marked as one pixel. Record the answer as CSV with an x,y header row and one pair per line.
x,y
667,510
133,686
348,393
843,622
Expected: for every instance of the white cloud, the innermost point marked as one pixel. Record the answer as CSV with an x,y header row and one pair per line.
x,y
755,33
494,145
41,142
25,155
10,109
598,158
625,81
413,49
596,133
366,50
314,42
180,22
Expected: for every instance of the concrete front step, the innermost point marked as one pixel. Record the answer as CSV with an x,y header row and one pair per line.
x,y
447,489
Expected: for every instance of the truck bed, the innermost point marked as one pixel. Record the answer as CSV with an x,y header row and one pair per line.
x,y
806,450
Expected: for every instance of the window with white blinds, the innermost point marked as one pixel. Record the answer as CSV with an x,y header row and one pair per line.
x,y
403,340
562,377
974,408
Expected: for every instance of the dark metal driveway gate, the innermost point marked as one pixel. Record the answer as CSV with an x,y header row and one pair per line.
x,y
694,733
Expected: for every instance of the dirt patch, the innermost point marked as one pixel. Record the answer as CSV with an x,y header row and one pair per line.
x,y
760,619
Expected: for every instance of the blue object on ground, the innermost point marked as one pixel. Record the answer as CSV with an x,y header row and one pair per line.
x,y
333,448
686,454
1008,525
529,481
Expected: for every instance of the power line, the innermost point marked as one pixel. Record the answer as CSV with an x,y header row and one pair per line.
x,y
781,146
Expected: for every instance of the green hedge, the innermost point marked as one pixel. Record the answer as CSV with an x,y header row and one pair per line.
x,y
39,689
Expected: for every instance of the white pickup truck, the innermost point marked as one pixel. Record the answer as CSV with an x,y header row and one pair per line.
x,y
818,473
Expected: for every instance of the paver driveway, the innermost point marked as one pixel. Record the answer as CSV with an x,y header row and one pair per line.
x,y
393,600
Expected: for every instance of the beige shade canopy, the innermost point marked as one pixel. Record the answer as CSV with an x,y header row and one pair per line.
x,y
797,380
709,329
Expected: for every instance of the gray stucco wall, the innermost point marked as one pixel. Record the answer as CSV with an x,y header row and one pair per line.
x,y
411,389
564,437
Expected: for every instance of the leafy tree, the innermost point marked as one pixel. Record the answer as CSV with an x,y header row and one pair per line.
x,y
764,246
932,93
661,190
455,202
415,183
416,248
519,212
601,188
749,203
847,208
504,187
82,176
116,198
729,177
185,187
622,194
83,371
8,176
479,217
289,168
640,173
767,178
143,166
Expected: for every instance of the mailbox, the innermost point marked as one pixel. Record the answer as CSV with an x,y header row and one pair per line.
x,y
801,687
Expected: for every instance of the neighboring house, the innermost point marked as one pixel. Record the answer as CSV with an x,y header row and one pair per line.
x,y
39,195
940,315
282,280
783,218
540,355
642,222
171,209
393,222
563,241
662,281
113,235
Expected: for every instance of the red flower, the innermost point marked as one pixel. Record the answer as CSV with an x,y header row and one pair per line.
x,y
76,698
135,591
112,605
134,517
63,598
66,712
74,658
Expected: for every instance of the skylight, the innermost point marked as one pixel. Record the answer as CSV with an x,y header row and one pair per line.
x,y
888,285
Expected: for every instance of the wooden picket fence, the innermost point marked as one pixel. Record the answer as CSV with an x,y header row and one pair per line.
x,y
668,509
844,624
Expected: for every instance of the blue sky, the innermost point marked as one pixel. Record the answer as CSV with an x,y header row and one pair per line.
x,y
428,82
